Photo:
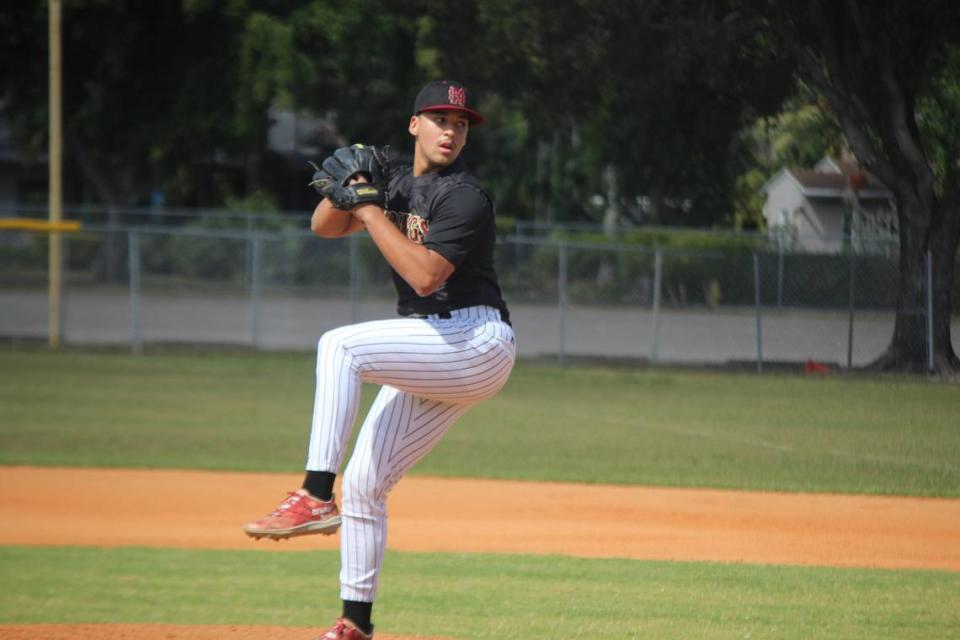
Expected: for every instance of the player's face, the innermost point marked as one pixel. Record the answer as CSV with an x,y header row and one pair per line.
x,y
440,137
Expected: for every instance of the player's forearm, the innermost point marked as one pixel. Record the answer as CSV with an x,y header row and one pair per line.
x,y
423,269
329,222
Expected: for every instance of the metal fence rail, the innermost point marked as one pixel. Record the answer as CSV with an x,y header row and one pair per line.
x,y
281,289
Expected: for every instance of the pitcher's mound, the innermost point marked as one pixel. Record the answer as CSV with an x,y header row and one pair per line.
x,y
168,632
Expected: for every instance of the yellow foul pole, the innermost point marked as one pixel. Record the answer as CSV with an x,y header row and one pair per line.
x,y
56,195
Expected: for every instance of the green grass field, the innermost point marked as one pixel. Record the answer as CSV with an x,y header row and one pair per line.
x,y
483,596
238,410
243,411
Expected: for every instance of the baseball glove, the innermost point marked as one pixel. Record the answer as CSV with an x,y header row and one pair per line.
x,y
332,181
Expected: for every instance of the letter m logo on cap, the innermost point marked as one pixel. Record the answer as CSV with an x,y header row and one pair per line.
x,y
457,96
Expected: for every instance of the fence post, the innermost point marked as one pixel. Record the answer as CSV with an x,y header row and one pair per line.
x,y
780,269
133,250
64,287
756,289
657,280
562,300
354,280
256,257
850,309
929,312
248,258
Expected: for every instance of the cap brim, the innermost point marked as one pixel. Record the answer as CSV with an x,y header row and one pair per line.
x,y
475,118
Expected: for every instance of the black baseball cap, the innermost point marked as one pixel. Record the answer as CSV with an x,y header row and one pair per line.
x,y
446,95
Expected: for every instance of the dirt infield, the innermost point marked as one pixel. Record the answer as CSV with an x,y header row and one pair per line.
x,y
139,508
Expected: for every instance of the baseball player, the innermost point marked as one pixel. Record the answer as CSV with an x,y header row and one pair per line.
x,y
452,347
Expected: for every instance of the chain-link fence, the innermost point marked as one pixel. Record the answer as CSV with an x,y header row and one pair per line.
x,y
281,289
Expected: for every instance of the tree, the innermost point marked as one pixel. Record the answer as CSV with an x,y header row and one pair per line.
x,y
145,95
890,73
175,95
652,92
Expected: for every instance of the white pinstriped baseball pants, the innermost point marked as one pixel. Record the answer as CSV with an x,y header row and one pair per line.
x,y
432,371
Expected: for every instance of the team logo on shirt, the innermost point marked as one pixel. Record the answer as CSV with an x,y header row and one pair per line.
x,y
410,224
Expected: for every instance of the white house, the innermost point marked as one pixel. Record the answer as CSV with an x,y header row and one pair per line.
x,y
824,209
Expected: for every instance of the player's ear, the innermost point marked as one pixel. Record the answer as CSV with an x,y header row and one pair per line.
x,y
414,125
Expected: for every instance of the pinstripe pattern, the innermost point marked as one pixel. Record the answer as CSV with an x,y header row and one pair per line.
x,y
431,371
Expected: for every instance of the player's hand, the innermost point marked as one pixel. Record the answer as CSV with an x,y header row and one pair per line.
x,y
363,210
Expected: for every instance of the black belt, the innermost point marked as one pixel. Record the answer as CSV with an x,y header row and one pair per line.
x,y
445,315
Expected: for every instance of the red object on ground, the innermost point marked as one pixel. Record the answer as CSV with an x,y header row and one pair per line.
x,y
815,367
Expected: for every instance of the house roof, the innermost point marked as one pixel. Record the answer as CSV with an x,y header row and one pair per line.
x,y
837,181
830,181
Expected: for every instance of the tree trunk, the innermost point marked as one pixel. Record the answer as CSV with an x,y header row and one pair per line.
x,y
606,274
908,349
943,246
611,213
545,194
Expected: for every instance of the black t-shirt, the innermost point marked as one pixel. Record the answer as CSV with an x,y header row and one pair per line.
x,y
450,213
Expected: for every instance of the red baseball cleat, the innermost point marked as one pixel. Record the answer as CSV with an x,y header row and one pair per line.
x,y
299,515
345,630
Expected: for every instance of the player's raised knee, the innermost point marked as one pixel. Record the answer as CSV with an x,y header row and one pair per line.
x,y
361,490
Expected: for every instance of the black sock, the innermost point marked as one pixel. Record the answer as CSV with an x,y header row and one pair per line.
x,y
359,614
319,484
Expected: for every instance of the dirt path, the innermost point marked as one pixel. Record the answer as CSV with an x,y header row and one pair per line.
x,y
94,507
